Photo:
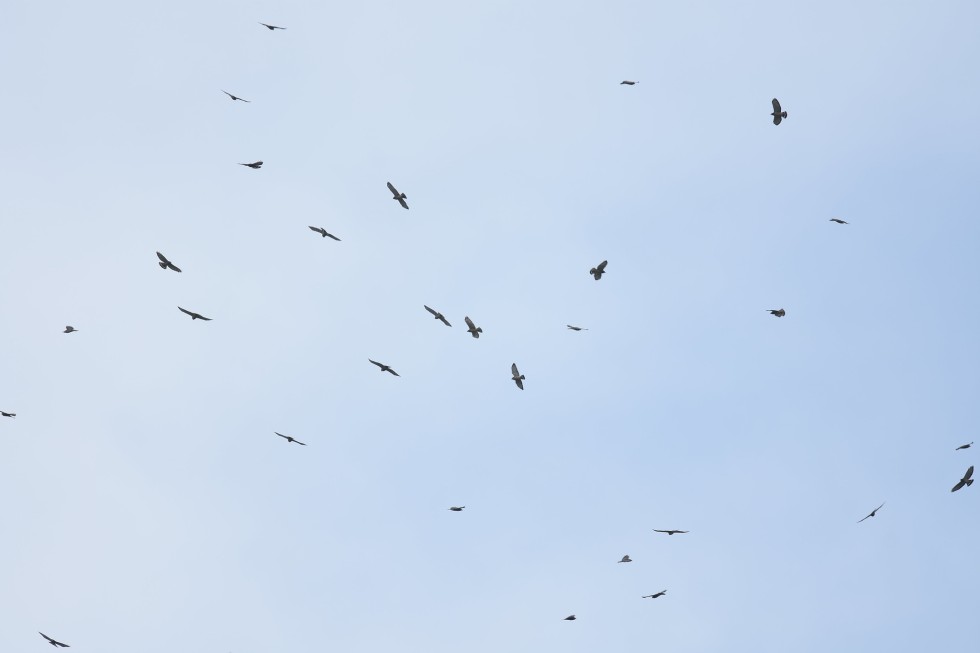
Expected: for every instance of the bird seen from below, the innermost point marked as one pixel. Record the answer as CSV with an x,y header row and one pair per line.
x,y
399,197
234,97
628,82
439,316
626,558
3,414
289,438
457,508
966,480
575,328
964,446
254,166
654,596
323,232
70,329
52,642
194,316
570,617
599,270
166,264
384,368
838,221
474,330
670,532
272,28
778,312
777,112
871,514
516,376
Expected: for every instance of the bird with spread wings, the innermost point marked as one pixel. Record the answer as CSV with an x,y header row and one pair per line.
x,y
399,197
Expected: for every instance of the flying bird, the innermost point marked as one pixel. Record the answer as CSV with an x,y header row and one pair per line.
x,y
626,559
963,446
627,82
474,330
234,97
871,514
778,312
52,642
70,329
598,270
777,112
671,532
439,316
517,377
8,414
966,480
457,508
194,316
272,28
570,617
400,197
289,438
164,263
254,166
323,232
575,328
654,596
838,221
384,368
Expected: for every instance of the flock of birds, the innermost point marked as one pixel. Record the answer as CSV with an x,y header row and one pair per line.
x,y
778,115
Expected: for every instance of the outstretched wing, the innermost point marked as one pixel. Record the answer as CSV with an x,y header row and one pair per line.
x,y
968,474
394,191
775,107
330,235
435,313
162,258
513,370
319,230
602,266
376,363
469,323
281,435
184,310
393,372
401,200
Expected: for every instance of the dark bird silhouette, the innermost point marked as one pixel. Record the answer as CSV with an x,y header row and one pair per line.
x,y
323,232
669,532
777,112
517,377
654,596
70,329
778,312
838,221
272,28
234,97
599,270
627,82
966,480
570,617
575,328
457,508
400,197
626,559
384,368
194,316
474,330
439,316
289,438
8,414
52,642
871,514
254,166
164,263
963,446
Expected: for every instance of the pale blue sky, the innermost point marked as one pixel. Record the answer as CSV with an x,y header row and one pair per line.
x,y
146,498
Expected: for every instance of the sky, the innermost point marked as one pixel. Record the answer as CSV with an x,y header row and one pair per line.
x,y
147,501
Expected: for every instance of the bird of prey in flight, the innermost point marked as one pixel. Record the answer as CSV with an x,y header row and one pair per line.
x,y
626,559
289,438
570,617
234,97
439,316
272,28
164,263
474,330
871,514
70,329
400,197
654,596
627,82
517,377
384,368
457,508
778,312
8,414
963,446
777,112
323,232
575,328
838,221
52,642
254,166
966,480
194,316
598,270
671,532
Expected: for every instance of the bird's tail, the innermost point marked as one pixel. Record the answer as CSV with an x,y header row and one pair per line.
x,y
969,482
785,114
479,329
162,265
522,377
